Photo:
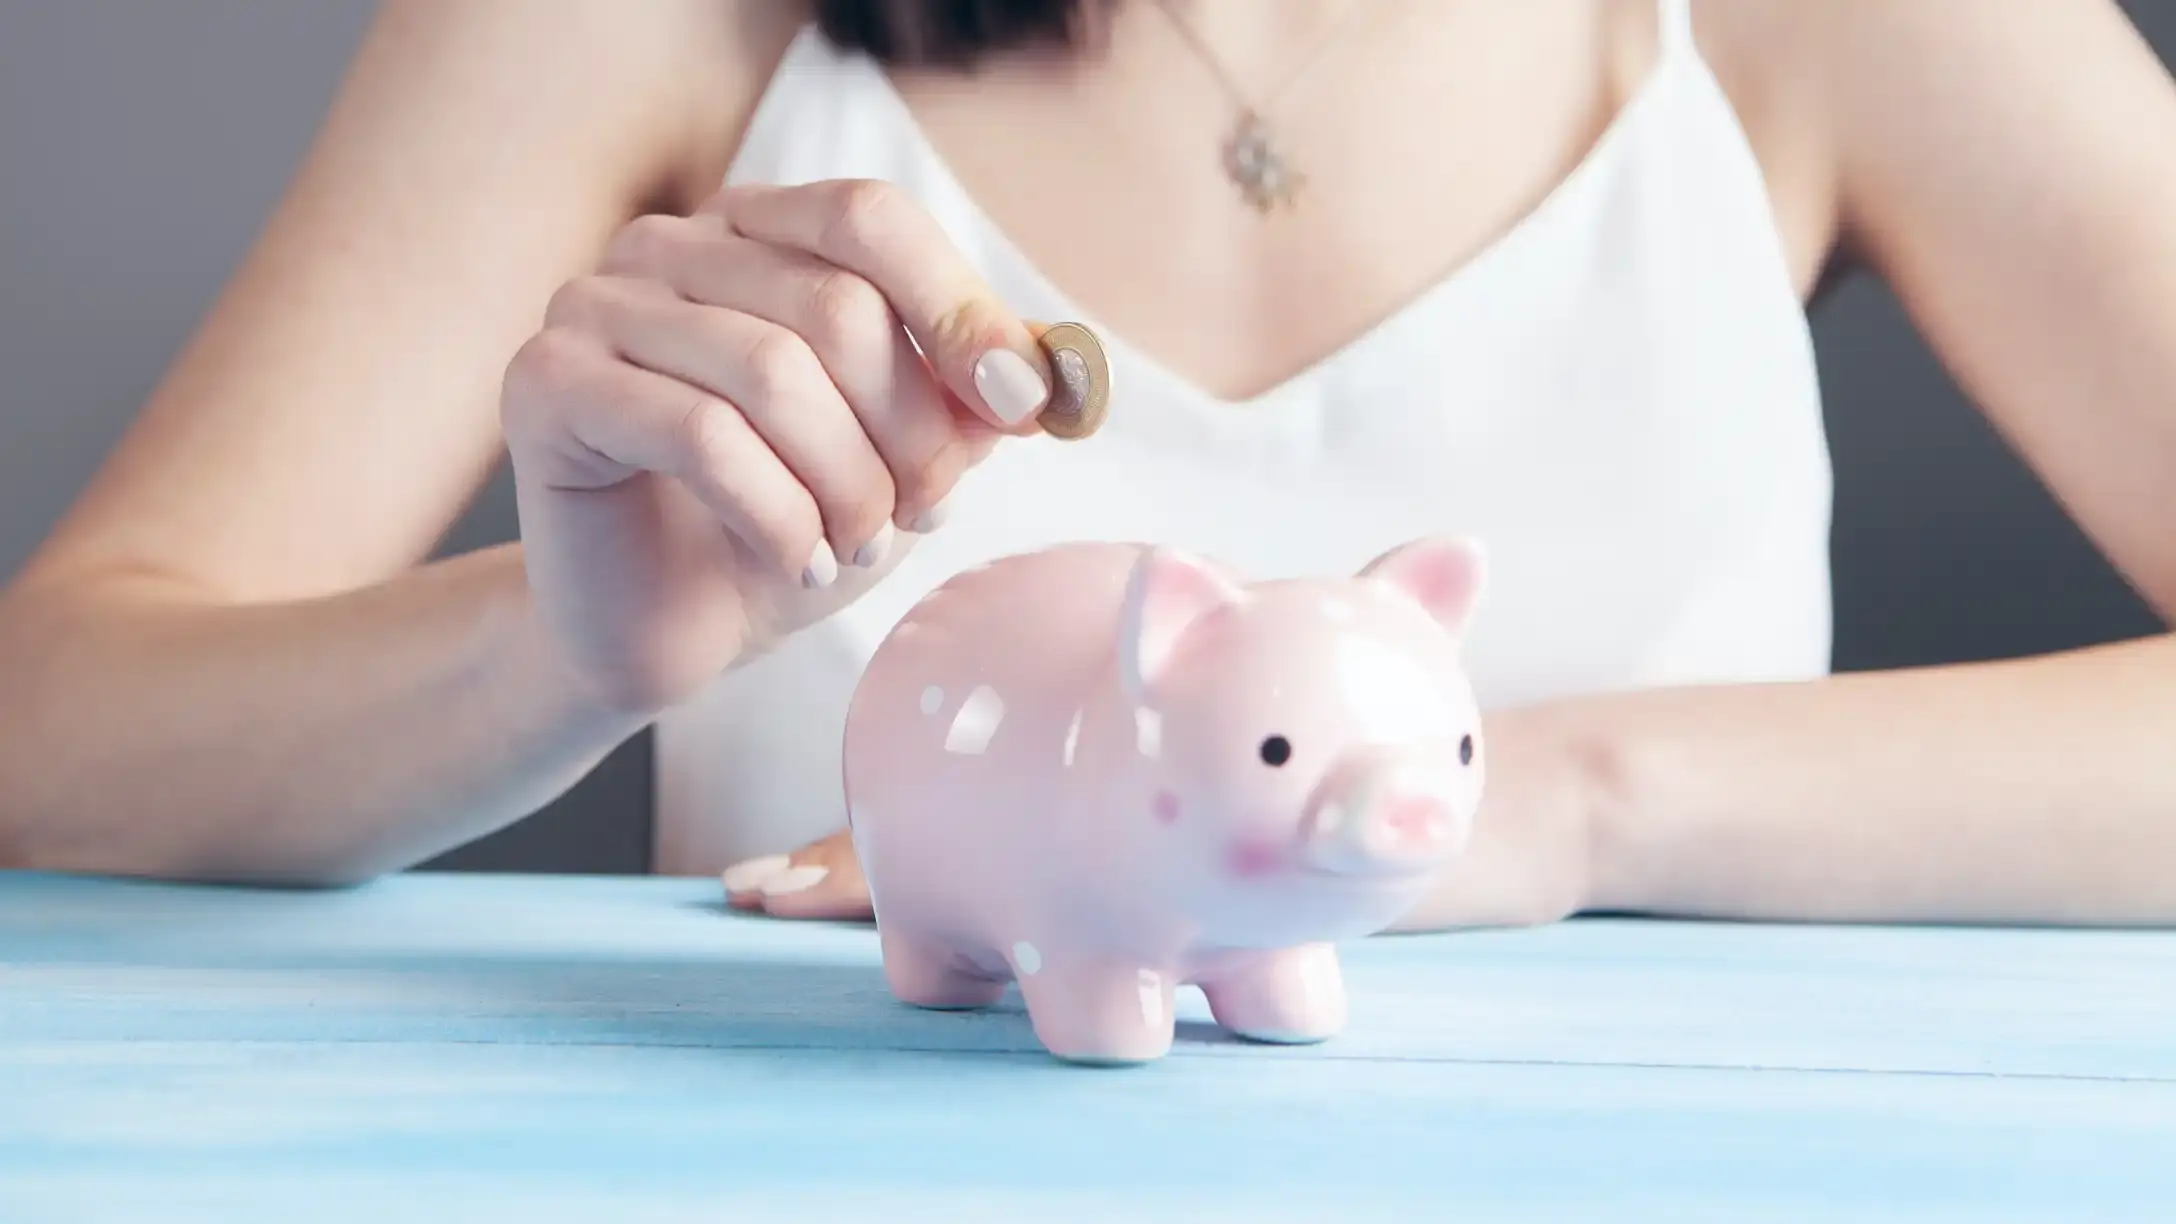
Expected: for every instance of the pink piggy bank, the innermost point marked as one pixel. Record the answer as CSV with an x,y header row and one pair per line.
x,y
1104,771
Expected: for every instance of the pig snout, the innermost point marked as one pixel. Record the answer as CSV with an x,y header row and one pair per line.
x,y
1384,817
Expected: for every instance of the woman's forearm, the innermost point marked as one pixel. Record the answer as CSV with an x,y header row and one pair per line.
x,y
2028,791
318,741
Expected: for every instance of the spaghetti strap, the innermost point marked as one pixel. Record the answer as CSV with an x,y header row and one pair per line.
x,y
1675,17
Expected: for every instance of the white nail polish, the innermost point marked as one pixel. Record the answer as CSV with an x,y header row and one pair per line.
x,y
822,569
795,879
871,553
1009,384
931,519
743,877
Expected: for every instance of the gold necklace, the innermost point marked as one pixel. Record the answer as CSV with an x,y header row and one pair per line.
x,y
1253,160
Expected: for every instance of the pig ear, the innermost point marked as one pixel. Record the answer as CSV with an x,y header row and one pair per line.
x,y
1168,592
1444,574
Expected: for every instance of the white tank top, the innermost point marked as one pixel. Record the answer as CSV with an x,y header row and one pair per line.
x,y
1618,397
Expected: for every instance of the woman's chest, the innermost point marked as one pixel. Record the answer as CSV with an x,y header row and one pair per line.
x,y
1439,135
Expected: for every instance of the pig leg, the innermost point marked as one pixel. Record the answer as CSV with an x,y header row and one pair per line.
x,y
1099,1011
924,972
1295,996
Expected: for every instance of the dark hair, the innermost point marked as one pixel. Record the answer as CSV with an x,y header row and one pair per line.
x,y
954,33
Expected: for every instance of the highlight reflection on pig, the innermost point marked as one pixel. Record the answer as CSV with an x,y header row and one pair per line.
x,y
1107,770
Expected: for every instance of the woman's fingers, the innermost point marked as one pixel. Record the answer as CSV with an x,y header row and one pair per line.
x,y
800,358
925,436
777,383
980,349
579,417
821,880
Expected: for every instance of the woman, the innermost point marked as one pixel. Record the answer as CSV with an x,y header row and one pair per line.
x,y
1529,272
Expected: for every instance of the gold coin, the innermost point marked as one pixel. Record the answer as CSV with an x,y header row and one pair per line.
x,y
1081,395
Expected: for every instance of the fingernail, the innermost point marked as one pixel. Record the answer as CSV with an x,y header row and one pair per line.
x,y
741,877
794,879
873,551
931,519
1009,384
823,567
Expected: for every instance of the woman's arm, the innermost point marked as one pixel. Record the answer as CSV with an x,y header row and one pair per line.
x,y
149,728
2030,791
2011,170
225,662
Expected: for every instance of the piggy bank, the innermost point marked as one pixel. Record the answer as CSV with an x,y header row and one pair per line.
x,y
1104,771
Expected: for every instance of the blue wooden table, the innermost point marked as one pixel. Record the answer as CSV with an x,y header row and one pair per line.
x,y
625,1050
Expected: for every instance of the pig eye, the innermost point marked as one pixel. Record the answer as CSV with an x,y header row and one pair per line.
x,y
1276,750
1465,750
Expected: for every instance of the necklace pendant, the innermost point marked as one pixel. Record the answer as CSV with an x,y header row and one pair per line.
x,y
1252,161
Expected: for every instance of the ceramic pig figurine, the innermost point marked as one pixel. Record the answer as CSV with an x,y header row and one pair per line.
x,y
1106,770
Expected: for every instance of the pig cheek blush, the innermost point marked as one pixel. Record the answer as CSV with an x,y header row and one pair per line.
x,y
1253,858
1166,807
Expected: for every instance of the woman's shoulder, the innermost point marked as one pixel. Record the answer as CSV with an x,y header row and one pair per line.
x,y
1834,65
1868,98
669,86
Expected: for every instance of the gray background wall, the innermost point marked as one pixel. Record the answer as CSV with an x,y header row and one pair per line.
x,y
142,144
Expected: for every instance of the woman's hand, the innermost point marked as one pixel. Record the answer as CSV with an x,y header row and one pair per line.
x,y
821,880
719,436
1529,861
